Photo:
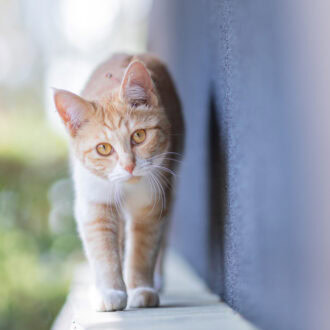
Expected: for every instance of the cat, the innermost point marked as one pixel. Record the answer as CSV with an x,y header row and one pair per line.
x,y
126,136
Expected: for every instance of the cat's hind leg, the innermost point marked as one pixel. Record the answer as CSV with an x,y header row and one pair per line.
x,y
159,268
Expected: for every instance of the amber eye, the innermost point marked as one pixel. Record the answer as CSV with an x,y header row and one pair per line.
x,y
139,136
104,149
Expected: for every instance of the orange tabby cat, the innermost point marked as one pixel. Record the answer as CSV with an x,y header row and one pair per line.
x,y
126,131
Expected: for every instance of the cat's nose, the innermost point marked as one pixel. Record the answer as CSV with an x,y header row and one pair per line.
x,y
129,168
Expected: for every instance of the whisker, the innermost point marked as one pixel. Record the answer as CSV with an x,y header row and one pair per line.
x,y
155,187
154,190
168,153
165,169
165,179
162,192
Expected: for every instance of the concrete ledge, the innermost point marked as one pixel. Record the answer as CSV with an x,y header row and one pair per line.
x,y
185,304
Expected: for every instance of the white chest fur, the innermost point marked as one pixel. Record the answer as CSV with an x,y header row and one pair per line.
x,y
91,189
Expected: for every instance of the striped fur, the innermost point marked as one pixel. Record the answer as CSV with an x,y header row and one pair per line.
x,y
122,216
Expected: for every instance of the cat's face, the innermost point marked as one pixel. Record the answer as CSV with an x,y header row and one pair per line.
x,y
122,142
124,138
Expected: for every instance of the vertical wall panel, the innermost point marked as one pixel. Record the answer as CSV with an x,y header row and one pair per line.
x,y
252,213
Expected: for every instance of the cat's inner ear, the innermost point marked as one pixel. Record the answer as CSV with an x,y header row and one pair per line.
x,y
137,86
73,109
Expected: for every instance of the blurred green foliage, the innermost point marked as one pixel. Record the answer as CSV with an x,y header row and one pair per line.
x,y
35,263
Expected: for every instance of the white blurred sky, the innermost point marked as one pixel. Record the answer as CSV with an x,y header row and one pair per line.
x,y
58,43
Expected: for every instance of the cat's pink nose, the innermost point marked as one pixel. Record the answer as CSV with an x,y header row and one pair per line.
x,y
129,168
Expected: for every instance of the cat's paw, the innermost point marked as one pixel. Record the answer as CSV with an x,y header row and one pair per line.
x,y
109,300
143,297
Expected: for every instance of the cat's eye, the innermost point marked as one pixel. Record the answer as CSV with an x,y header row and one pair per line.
x,y
104,149
139,136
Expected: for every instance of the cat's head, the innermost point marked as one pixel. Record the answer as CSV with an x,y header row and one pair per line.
x,y
122,137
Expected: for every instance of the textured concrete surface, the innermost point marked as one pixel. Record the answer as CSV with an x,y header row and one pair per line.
x,y
185,304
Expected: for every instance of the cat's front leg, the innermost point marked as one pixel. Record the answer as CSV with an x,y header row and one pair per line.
x,y
98,226
144,232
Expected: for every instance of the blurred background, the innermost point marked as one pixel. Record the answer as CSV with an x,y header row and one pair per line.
x,y
44,44
253,77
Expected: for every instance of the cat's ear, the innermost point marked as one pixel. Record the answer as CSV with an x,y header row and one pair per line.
x,y
73,109
137,87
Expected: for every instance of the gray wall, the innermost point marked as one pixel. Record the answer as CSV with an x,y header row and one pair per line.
x,y
251,185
